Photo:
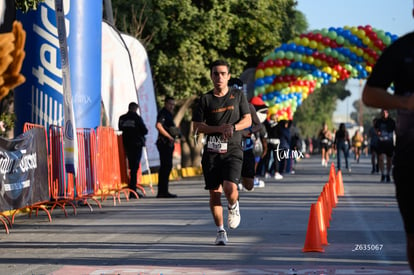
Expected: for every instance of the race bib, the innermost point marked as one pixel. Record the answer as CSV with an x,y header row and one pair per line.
x,y
216,144
385,136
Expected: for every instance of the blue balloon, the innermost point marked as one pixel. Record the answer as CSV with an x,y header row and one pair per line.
x,y
259,82
268,80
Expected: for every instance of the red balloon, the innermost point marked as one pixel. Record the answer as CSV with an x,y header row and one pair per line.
x,y
326,41
278,63
318,37
286,62
261,65
269,63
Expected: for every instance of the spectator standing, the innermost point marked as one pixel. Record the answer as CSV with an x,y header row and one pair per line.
x,y
167,133
133,137
273,141
342,144
385,127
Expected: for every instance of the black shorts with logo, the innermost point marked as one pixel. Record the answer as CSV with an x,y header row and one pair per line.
x,y
219,167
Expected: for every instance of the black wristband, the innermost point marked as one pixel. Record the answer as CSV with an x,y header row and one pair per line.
x,y
234,127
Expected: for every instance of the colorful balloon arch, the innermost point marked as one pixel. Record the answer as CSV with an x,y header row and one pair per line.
x,y
289,74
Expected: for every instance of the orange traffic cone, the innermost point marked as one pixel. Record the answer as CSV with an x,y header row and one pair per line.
x,y
321,220
313,241
332,172
332,193
327,204
339,184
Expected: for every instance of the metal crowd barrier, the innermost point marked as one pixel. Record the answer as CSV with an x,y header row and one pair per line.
x,y
102,171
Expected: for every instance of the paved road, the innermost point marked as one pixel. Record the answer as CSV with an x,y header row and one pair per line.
x,y
176,236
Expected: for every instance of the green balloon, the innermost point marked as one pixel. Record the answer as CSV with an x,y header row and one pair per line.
x,y
289,71
332,35
387,40
280,55
289,55
297,57
340,40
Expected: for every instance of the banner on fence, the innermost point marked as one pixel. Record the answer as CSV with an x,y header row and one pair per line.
x,y
23,170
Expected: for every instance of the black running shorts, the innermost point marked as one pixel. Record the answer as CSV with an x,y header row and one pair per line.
x,y
219,167
385,148
249,162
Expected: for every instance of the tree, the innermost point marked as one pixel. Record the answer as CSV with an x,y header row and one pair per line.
x,y
27,5
319,107
186,36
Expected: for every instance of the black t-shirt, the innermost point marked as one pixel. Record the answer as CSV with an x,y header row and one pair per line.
x,y
385,129
396,65
271,128
228,109
167,121
133,130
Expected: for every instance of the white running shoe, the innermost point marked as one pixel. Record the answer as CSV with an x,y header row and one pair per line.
x,y
278,176
221,238
233,219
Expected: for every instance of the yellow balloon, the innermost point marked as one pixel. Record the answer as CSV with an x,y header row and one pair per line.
x,y
269,89
313,44
321,47
268,72
354,30
277,70
361,33
327,70
305,41
368,69
259,74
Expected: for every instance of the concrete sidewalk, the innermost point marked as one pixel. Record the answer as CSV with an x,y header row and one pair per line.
x,y
176,236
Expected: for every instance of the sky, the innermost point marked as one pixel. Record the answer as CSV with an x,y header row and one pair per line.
x,y
394,16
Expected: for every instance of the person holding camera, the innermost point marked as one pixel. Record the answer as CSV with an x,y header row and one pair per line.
x,y
167,132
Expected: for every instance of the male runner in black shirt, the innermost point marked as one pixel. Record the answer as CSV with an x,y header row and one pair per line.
x,y
221,114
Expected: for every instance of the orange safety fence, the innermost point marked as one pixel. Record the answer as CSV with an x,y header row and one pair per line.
x,y
124,167
108,166
85,186
61,183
